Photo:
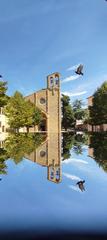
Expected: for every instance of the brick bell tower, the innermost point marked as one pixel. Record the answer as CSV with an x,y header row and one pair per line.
x,y
53,102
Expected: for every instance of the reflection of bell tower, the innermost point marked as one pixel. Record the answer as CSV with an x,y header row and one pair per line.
x,y
49,154
54,157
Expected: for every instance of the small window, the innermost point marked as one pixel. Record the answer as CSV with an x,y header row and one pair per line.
x,y
51,81
52,175
42,153
42,100
57,82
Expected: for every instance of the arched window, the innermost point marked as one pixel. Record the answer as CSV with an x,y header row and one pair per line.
x,y
51,81
57,79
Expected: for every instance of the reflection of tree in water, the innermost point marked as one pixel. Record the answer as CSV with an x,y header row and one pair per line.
x,y
3,156
19,144
80,139
98,141
73,141
67,144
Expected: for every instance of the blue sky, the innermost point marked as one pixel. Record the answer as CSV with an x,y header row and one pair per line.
x,y
38,37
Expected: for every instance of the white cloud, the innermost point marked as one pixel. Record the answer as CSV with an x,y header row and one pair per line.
x,y
70,94
70,78
73,67
72,177
75,160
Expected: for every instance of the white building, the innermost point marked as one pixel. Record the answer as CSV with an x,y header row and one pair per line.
x,y
3,121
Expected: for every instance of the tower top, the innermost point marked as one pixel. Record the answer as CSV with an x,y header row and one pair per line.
x,y
53,80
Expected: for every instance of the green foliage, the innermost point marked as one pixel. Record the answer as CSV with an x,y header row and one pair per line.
x,y
75,142
19,144
37,116
67,144
98,141
80,139
3,97
77,104
21,113
15,110
3,157
98,112
79,112
68,120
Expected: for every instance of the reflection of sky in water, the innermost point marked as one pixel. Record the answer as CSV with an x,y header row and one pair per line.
x,y
28,200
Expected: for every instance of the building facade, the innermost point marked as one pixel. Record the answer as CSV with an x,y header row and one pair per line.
x,y
3,121
49,102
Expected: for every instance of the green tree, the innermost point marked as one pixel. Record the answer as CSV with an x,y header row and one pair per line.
x,y
3,157
68,120
21,113
73,142
79,112
80,140
32,115
77,104
67,144
19,144
98,112
98,141
15,110
3,97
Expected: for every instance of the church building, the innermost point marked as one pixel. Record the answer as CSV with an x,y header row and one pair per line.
x,y
48,100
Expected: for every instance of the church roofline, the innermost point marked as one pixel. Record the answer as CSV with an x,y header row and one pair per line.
x,y
43,89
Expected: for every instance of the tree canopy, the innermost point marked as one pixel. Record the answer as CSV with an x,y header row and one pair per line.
x,y
19,144
79,112
98,141
68,119
98,112
3,96
21,113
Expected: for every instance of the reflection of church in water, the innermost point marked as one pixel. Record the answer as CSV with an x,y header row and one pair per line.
x,y
48,154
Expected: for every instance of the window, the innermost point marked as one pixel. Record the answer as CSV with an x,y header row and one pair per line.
x,y
57,80
51,81
42,153
42,100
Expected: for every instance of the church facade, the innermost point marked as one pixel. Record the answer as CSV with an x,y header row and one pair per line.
x,y
49,102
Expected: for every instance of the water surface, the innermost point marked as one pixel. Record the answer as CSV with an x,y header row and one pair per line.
x,y
38,185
